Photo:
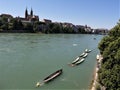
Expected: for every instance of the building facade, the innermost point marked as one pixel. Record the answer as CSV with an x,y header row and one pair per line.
x,y
7,16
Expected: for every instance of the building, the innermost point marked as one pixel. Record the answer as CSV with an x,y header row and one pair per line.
x,y
88,29
8,16
29,18
101,31
80,26
47,21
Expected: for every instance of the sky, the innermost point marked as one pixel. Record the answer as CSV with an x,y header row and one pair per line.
x,y
94,13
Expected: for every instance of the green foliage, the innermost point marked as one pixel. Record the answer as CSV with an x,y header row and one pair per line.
x,y
1,22
115,32
68,30
4,19
56,28
36,26
104,43
4,26
17,25
110,49
28,27
98,87
13,24
82,30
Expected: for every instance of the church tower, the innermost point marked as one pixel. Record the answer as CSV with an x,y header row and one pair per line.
x,y
26,13
31,13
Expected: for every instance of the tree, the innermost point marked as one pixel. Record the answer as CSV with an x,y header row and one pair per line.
x,y
104,43
110,49
1,22
4,19
28,27
4,23
36,26
98,87
81,30
4,26
115,32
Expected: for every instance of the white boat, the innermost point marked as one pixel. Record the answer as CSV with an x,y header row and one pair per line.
x,y
80,61
82,54
87,51
77,59
86,54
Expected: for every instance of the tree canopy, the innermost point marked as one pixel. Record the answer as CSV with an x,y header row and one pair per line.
x,y
109,74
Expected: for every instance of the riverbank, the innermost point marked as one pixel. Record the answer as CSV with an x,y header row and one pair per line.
x,y
15,31
95,78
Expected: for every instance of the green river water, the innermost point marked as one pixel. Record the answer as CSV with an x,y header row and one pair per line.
x,y
28,58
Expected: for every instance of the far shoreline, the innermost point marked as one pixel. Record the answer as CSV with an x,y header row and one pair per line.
x,y
28,32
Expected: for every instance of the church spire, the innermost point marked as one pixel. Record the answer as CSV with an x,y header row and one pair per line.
x,y
26,13
31,13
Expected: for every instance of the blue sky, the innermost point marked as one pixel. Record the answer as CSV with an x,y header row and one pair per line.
x,y
94,13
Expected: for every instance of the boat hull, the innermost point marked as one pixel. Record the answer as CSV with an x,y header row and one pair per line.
x,y
76,60
53,76
85,55
79,62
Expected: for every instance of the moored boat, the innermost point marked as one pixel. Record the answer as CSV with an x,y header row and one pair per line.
x,y
52,76
86,54
82,54
87,51
80,61
77,59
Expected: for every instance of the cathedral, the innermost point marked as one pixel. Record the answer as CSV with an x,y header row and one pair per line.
x,y
29,17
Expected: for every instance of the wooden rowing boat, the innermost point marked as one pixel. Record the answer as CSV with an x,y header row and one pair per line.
x,y
52,76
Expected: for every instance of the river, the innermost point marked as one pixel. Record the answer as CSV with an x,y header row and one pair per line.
x,y
28,58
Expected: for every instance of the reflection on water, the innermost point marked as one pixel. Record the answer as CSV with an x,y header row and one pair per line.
x,y
74,44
